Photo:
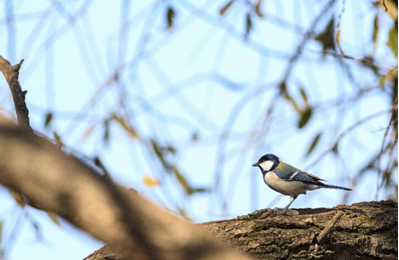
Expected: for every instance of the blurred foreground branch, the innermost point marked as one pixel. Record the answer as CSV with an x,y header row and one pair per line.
x,y
120,217
56,182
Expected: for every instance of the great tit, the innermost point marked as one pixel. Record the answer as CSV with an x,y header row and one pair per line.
x,y
288,180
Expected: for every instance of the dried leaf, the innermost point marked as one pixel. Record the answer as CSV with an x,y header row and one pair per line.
x,y
48,120
170,16
88,132
106,134
313,144
338,39
182,180
54,218
304,117
223,10
194,137
185,184
257,9
199,190
391,75
375,33
326,38
289,98
393,40
334,149
18,198
304,96
171,149
151,181
125,125
160,154
58,141
248,25
99,164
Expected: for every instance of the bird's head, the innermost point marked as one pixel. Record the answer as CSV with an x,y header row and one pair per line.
x,y
267,162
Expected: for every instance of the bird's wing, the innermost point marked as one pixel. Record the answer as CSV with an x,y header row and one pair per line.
x,y
314,177
288,172
304,177
285,171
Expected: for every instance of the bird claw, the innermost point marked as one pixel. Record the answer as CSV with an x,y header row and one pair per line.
x,y
282,212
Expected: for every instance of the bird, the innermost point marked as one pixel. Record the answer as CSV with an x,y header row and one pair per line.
x,y
288,180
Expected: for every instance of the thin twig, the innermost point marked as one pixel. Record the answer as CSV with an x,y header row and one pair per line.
x,y
381,153
347,131
320,238
11,73
383,3
338,35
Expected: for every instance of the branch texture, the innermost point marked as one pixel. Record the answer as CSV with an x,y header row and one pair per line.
x,y
11,73
366,230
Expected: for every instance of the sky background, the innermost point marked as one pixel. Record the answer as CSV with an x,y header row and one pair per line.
x,y
200,79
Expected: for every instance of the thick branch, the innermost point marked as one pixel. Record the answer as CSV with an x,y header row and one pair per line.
x,y
364,230
11,73
131,225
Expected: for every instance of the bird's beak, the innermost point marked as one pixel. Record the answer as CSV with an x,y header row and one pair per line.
x,y
255,164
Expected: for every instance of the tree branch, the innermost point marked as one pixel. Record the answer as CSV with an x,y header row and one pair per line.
x,y
366,230
130,225
11,73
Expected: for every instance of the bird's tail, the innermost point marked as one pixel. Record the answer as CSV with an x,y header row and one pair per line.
x,y
335,187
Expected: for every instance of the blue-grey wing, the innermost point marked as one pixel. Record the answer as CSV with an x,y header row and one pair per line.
x,y
288,172
303,176
285,171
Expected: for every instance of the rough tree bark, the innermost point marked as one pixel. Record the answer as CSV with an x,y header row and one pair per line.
x,y
366,230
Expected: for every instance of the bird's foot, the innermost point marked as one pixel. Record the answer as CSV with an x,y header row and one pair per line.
x,y
282,212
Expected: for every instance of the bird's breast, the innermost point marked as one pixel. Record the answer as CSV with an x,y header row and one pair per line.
x,y
286,187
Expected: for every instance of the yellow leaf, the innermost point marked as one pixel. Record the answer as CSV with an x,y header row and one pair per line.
x,y
125,125
338,39
88,132
54,218
257,9
18,198
150,181
223,10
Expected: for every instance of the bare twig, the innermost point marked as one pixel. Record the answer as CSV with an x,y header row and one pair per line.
x,y
347,131
320,238
338,35
383,3
11,73
302,44
379,185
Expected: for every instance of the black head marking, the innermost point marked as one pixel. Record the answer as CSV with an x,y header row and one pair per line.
x,y
268,157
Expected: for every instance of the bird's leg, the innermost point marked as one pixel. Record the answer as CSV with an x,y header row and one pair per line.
x,y
284,211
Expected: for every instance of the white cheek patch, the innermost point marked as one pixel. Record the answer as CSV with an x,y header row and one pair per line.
x,y
266,165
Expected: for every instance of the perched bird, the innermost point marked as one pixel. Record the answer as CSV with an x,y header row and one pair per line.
x,y
288,180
